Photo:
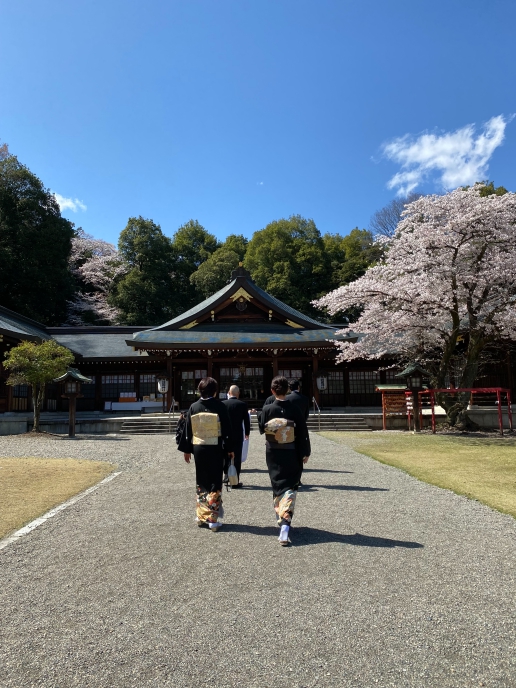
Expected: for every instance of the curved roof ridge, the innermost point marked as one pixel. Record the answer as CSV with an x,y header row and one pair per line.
x,y
291,310
241,279
195,309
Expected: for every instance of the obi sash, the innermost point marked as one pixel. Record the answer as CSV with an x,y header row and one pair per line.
x,y
206,428
280,431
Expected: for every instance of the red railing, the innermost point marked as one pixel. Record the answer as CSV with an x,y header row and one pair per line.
x,y
476,390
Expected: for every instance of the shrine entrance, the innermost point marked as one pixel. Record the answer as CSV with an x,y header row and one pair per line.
x,y
250,380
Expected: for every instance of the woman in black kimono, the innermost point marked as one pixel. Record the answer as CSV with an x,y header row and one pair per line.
x,y
207,435
287,449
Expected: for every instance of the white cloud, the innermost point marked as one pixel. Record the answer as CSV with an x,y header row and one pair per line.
x,y
259,183
457,157
73,204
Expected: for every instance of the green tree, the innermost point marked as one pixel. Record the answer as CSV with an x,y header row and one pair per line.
x,y
351,255
35,244
288,260
215,272
36,365
489,189
237,243
145,294
192,245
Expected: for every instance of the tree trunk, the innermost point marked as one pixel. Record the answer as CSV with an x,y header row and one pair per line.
x,y
38,397
456,408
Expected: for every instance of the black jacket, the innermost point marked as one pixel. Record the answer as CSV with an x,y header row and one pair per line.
x,y
238,414
299,400
282,409
210,405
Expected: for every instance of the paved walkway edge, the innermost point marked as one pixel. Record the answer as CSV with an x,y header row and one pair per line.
x,y
39,521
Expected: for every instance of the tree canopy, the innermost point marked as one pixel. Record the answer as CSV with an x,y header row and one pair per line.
x,y
144,294
449,273
237,243
287,259
385,221
214,273
35,244
192,245
95,264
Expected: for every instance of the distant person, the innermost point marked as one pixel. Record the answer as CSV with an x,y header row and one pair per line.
x,y
287,449
240,428
298,399
207,434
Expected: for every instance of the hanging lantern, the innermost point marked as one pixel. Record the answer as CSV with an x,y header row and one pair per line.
x,y
322,383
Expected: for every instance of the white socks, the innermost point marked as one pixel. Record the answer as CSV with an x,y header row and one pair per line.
x,y
283,536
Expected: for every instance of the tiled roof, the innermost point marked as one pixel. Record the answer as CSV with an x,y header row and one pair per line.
x,y
242,279
20,327
96,345
73,373
191,338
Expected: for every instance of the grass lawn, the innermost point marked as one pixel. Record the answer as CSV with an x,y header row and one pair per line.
x,y
30,487
479,468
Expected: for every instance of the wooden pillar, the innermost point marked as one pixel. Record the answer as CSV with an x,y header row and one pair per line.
x,y
210,365
170,381
99,406
315,369
274,363
9,398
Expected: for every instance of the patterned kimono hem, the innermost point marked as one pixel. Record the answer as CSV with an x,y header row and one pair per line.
x,y
209,505
284,507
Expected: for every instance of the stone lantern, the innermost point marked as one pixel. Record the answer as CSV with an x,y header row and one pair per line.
x,y
162,382
413,375
72,380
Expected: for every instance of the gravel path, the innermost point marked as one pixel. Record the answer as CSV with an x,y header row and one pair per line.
x,y
389,582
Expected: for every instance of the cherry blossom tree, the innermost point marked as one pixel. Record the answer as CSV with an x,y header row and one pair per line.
x,y
445,291
95,264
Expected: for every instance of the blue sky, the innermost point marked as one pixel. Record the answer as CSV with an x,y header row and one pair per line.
x,y
239,112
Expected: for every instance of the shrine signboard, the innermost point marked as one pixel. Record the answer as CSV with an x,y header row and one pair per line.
x,y
394,401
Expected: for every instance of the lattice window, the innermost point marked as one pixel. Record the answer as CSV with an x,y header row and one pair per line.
x,y
335,382
233,373
148,385
88,388
363,381
113,385
291,374
390,376
254,372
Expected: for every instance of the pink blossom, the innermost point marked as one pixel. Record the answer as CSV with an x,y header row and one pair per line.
x,y
450,269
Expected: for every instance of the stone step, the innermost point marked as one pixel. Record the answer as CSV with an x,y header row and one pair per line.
x,y
167,426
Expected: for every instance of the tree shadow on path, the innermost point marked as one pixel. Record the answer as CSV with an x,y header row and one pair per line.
x,y
315,536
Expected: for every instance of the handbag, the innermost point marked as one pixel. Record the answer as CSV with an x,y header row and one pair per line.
x,y
232,474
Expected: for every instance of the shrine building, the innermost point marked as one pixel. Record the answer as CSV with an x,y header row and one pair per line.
x,y
241,335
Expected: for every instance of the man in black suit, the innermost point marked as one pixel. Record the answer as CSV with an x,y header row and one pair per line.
x,y
238,414
295,397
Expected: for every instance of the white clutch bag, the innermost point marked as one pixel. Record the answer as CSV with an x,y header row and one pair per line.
x,y
232,474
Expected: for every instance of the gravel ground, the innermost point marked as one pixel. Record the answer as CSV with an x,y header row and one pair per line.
x,y
389,581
